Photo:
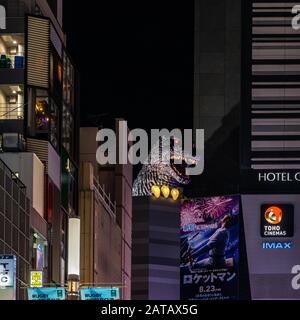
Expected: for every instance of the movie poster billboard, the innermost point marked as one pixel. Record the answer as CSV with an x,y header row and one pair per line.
x,y
210,248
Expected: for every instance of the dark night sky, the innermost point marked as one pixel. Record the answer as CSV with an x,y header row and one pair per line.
x,y
135,59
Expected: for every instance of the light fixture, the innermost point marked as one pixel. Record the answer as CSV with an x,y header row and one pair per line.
x,y
155,191
165,190
14,92
15,42
68,165
73,257
175,193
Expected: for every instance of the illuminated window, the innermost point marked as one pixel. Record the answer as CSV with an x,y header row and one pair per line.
x,y
42,113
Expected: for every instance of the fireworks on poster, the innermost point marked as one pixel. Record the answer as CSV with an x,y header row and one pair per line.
x,y
209,248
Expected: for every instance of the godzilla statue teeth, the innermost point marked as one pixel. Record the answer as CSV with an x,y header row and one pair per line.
x,y
160,173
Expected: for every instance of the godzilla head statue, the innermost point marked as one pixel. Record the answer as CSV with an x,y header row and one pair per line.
x,y
161,169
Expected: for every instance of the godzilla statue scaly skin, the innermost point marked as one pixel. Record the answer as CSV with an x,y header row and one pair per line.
x,y
161,171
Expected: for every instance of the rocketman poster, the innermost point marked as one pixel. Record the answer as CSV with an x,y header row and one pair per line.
x,y
210,248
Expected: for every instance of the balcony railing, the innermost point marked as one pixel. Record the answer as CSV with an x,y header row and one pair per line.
x,y
8,61
110,206
13,176
11,111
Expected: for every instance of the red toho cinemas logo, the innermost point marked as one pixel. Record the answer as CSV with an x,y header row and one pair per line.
x,y
277,221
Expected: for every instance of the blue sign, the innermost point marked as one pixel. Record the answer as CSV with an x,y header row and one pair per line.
x,y
8,277
100,293
46,294
277,245
7,271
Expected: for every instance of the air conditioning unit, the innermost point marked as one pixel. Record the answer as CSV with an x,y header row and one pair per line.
x,y
13,142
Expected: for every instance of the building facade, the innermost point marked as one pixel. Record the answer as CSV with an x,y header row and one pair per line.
x,y
156,249
270,121
106,210
247,100
217,91
270,145
101,239
39,110
14,229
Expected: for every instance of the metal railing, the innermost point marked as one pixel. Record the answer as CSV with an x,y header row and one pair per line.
x,y
9,61
105,199
13,176
11,111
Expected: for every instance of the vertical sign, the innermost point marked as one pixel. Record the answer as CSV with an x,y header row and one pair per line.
x,y
36,279
209,248
7,277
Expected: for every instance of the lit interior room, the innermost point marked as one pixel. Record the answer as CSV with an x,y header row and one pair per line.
x,y
12,51
11,102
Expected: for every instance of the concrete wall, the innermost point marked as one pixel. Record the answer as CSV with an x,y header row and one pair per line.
x,y
2,47
88,146
117,181
101,236
31,173
54,164
217,62
2,100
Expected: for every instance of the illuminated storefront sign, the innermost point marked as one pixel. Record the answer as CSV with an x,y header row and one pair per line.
x,y
7,271
100,293
7,277
277,245
36,279
46,294
272,245
281,176
277,221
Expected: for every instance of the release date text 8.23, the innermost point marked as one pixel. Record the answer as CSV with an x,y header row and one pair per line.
x,y
149,310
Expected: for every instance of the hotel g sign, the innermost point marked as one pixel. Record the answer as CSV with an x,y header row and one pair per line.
x,y
273,177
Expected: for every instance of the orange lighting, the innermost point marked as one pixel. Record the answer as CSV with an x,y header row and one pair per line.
x,y
175,194
165,190
59,72
155,191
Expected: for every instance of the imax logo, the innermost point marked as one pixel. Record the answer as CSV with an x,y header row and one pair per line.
x,y
2,17
277,245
